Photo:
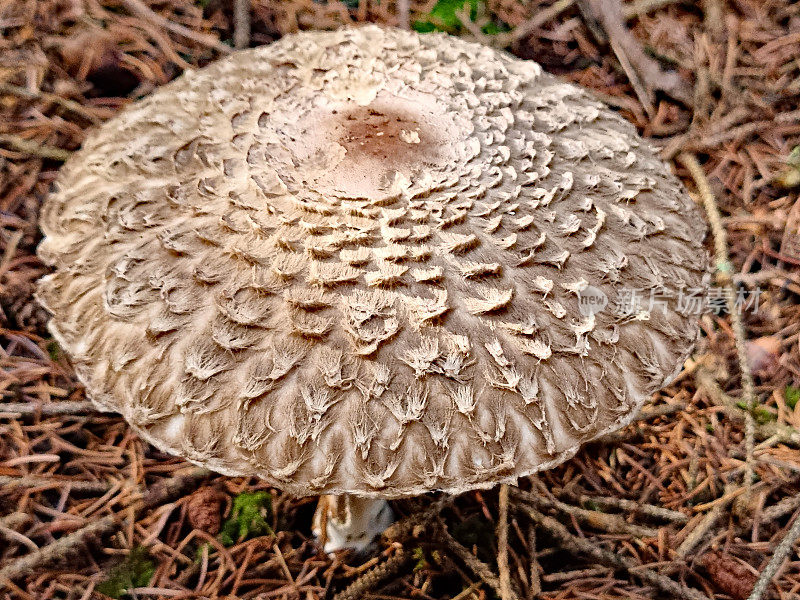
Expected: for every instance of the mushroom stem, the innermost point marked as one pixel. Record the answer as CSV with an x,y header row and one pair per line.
x,y
350,521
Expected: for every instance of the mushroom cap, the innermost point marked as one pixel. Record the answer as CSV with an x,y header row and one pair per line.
x,y
353,261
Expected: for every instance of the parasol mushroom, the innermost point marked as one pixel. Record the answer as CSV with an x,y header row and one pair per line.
x,y
363,264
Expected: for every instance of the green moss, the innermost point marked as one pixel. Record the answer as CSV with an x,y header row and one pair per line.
x,y
443,17
592,505
791,394
425,561
54,350
248,518
419,556
135,571
760,414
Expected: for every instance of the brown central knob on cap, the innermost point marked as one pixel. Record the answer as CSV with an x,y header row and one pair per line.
x,y
391,146
396,136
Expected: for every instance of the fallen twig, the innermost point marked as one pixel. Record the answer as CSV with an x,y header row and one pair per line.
x,y
781,509
477,566
642,7
610,523
523,30
502,545
662,410
20,144
403,14
7,525
699,531
406,526
469,591
724,271
773,431
241,24
582,547
781,552
10,250
536,581
649,510
31,481
15,519
48,409
60,549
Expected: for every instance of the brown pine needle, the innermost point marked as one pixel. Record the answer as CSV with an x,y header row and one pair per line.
x,y
71,105
143,11
68,545
63,548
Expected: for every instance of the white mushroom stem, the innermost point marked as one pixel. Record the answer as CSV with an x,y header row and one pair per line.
x,y
350,521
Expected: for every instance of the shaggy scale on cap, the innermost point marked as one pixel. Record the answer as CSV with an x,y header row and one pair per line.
x,y
351,262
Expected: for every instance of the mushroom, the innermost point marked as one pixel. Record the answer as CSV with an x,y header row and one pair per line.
x,y
369,264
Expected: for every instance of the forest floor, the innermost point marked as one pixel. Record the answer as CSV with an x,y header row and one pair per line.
x,y
694,500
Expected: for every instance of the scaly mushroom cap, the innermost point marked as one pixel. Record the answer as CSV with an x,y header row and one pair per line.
x,y
352,262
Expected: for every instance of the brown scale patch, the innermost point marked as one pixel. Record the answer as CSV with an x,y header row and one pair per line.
x,y
386,133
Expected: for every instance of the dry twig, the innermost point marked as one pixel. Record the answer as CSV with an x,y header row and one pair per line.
x,y
781,552
582,547
8,483
403,14
241,24
641,7
607,522
48,409
724,270
502,545
405,527
34,149
771,433
536,581
781,509
59,550
477,566
702,528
